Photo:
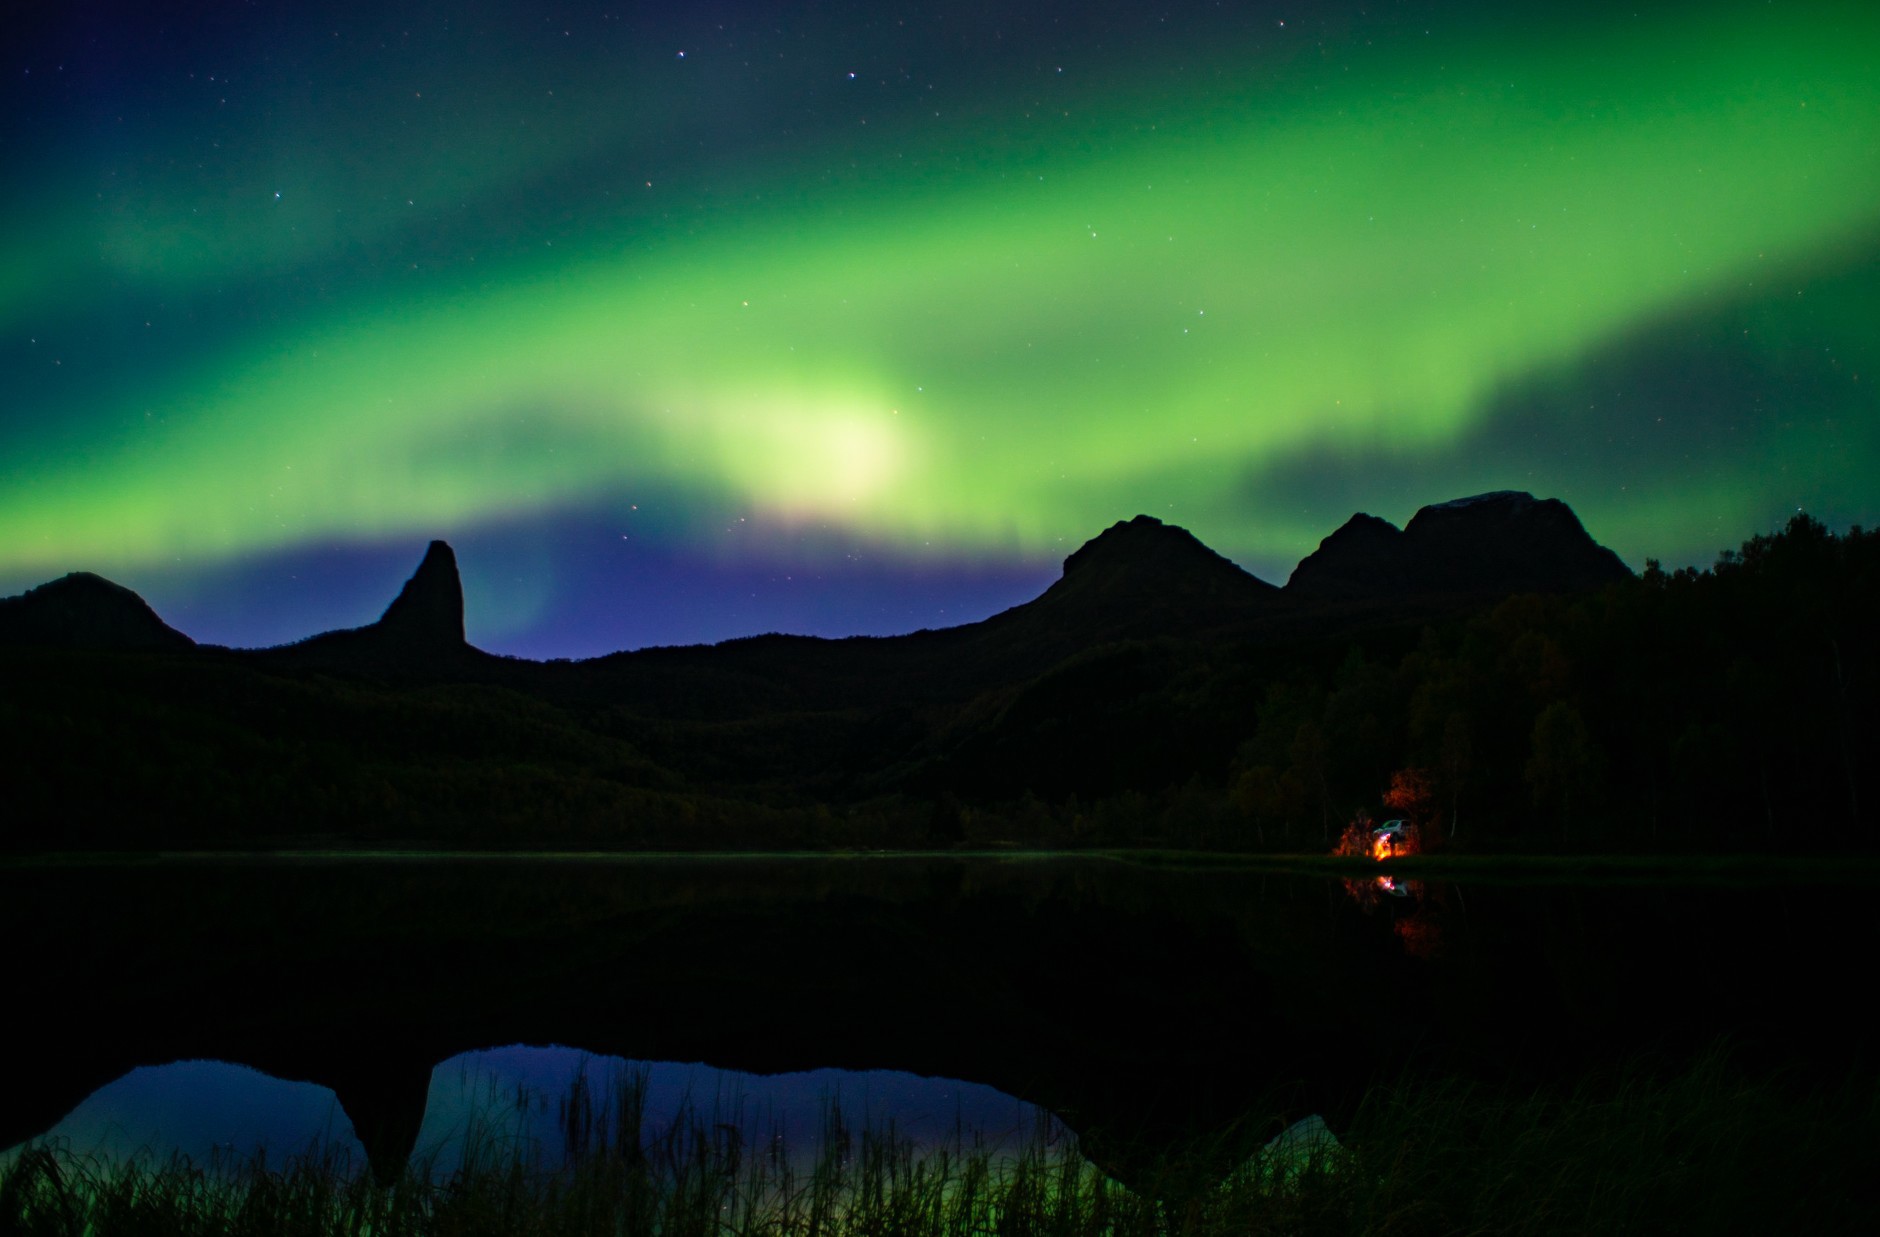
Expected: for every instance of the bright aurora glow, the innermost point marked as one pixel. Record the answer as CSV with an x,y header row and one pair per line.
x,y
860,318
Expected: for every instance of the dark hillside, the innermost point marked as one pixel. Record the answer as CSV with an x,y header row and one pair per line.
x,y
84,611
1155,695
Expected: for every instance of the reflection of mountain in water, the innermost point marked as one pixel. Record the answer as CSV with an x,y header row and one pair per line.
x,y
518,1099
1150,1008
206,1110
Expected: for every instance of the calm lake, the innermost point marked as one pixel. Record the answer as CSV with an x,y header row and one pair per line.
x,y
392,1005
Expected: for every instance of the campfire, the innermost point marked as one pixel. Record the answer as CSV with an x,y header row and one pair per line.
x,y
1393,839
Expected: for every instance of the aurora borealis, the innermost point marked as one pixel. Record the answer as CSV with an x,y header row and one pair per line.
x,y
845,318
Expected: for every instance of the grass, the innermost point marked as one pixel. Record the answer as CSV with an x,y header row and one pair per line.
x,y
1706,1147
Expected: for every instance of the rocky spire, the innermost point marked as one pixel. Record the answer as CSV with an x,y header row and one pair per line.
x,y
429,609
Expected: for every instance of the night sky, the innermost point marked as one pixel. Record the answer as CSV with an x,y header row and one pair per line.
x,y
682,322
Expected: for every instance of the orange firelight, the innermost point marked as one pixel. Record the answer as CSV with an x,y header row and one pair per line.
x,y
1392,844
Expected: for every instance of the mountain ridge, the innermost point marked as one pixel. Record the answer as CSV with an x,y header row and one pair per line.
x,y
1138,578
83,610
1503,541
421,631
1121,707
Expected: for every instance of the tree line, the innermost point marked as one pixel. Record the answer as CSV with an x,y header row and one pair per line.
x,y
1725,708
1728,708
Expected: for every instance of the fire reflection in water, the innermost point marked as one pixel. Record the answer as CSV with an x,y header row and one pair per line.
x,y
1371,892
1416,909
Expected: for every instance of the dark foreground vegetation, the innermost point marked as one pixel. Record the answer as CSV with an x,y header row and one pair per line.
x,y
1721,709
1715,710
1704,1148
1156,696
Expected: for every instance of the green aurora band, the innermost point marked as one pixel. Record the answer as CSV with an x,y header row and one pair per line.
x,y
1042,338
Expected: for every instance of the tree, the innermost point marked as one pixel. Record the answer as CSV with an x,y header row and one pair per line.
x,y
1563,766
1310,755
1457,752
1413,793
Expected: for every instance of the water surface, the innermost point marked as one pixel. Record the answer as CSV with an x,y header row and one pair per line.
x,y
545,1105
1148,1008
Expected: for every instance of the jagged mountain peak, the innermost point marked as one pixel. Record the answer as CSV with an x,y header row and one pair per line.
x,y
1139,577
1364,529
429,609
1503,541
1362,556
420,632
1144,542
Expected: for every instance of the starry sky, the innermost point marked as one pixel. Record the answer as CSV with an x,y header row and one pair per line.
x,y
683,322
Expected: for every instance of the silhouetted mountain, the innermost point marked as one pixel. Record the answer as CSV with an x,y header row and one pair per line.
x,y
1154,694
1138,578
421,631
1509,542
429,609
82,610
1143,565
1490,544
1364,558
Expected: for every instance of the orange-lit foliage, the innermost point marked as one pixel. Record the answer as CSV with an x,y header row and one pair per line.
x,y
1363,892
1412,792
1359,838
1416,910
1355,840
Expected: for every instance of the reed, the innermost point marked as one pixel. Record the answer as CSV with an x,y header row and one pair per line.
x,y
1707,1146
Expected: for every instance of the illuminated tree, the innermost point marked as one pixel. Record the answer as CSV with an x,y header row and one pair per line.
x,y
1413,793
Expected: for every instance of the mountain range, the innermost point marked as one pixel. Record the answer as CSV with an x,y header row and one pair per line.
x,y
1136,671
1138,578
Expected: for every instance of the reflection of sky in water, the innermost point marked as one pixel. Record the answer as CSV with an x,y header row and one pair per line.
x,y
515,1096
202,1108
480,1090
